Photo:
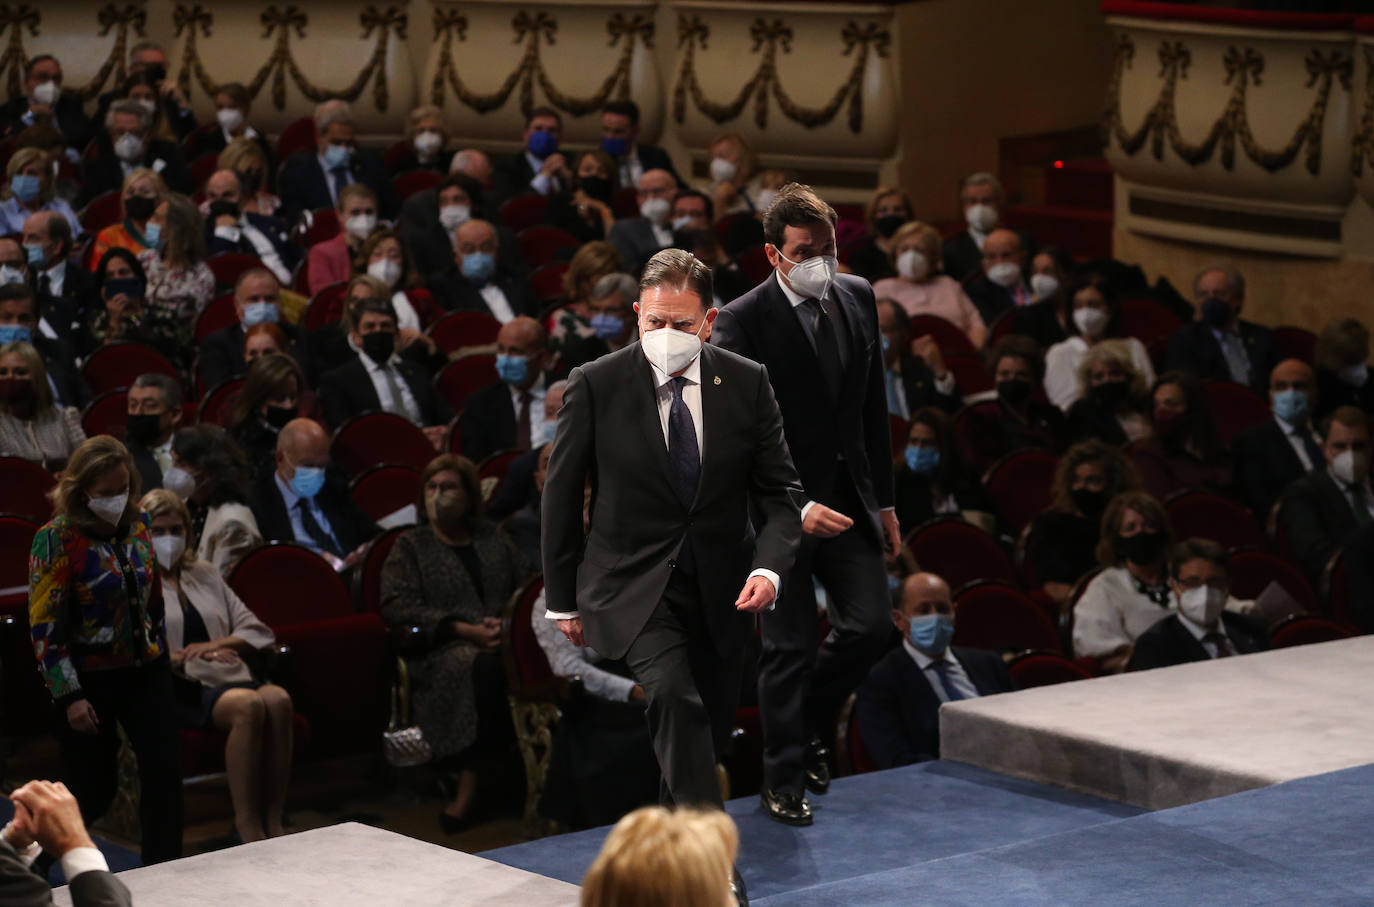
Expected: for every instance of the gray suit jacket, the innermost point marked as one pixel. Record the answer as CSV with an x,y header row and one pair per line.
x,y
634,239
20,887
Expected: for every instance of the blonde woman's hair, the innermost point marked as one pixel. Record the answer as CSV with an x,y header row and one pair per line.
x,y
144,173
95,457
593,261
236,153
929,237
423,112
655,857
38,374
21,159
1117,354
748,161
160,501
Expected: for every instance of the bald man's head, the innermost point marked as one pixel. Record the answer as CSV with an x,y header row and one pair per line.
x,y
553,400
1001,244
473,163
301,442
223,185
522,338
1292,391
922,594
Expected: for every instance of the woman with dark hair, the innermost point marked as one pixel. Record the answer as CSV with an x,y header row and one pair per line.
x,y
223,524
33,426
1047,319
451,576
931,479
1020,421
96,613
585,209
384,256
1093,314
1185,451
270,398
126,315
887,210
171,117
180,283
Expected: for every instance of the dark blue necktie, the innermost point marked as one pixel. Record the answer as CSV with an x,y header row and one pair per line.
x,y
316,532
684,458
941,669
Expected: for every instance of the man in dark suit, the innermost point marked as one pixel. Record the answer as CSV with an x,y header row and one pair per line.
x,y
913,382
475,280
257,299
676,440
47,819
1325,507
1274,454
510,414
44,101
898,705
229,229
123,146
538,167
313,179
1000,283
817,334
1219,345
1201,629
620,139
303,501
154,412
376,378
638,238
64,291
19,320
982,200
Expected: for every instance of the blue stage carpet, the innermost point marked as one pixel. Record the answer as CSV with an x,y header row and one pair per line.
x,y
867,824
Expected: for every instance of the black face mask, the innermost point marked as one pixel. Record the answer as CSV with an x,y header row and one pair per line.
x,y
1141,548
379,345
278,416
598,187
156,71
1089,502
1109,395
888,224
223,206
139,207
144,429
1215,312
1014,391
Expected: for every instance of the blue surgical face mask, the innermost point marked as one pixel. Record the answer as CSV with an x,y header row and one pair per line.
x,y
615,147
930,634
34,253
887,343
922,460
512,369
10,274
1291,406
607,326
259,313
307,481
337,156
25,187
479,266
542,143
152,235
15,333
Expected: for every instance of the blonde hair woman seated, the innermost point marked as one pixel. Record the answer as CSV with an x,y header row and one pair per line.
x,y
32,426
209,633
655,857
143,191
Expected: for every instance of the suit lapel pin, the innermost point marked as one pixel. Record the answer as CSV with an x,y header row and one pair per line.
x,y
717,379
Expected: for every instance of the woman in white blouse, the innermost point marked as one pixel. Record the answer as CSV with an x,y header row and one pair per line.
x,y
1094,315
225,528
210,633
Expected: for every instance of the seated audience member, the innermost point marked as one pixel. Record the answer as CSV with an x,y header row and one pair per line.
x,y
19,323
231,229
263,339
1001,286
660,858
1342,368
1062,541
476,281
233,110
212,639
451,576
537,167
736,186
126,144
271,397
1113,397
638,238
572,323
172,118
610,306
1020,420
65,292
217,487
257,300
301,502
253,164
1094,315
383,257
29,189
1132,592
982,200
1184,450
1049,270
316,178
1323,508
620,141
1359,571
143,191
915,371
1205,625
931,479
145,56
427,137
919,287
473,164
509,415
377,378
43,101
692,210
888,210
583,209
1046,320
728,281
1220,345
518,490
47,819
1277,452
331,261
180,283
124,313
898,704
154,412
32,426
66,179
430,218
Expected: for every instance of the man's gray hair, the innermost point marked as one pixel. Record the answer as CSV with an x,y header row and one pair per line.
x,y
170,387
124,105
983,178
331,112
1235,281
141,46
623,284
678,270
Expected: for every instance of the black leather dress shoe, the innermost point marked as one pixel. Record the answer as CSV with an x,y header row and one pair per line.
x,y
816,763
789,809
737,889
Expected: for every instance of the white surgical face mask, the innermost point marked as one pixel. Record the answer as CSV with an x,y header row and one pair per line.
x,y
671,350
811,277
1090,322
981,217
427,143
454,216
169,549
10,275
1350,467
656,210
360,226
129,148
1203,605
722,171
1005,274
147,104
110,508
46,93
913,265
179,482
230,118
1044,285
385,270
1355,375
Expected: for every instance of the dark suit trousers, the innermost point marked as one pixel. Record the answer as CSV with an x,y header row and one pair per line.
x,y
139,700
691,691
802,687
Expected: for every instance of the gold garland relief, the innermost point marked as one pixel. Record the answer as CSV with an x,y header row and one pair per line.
x,y
1363,143
18,19
1244,67
859,41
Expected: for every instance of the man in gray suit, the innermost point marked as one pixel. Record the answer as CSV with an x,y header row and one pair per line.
x,y
638,238
47,818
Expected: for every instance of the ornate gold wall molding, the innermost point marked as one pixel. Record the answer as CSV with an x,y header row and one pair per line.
x,y
1362,145
859,41
535,30
23,17
1244,66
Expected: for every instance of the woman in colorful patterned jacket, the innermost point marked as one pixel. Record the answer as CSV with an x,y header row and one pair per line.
x,y
95,605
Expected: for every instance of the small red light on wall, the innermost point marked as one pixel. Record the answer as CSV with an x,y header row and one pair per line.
x,y
1058,165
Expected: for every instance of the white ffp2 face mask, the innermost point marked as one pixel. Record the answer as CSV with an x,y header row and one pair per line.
x,y
1090,322
671,350
981,217
1203,605
360,226
1044,285
811,277
1350,467
385,270
169,549
913,265
1005,274
110,508
722,171
179,482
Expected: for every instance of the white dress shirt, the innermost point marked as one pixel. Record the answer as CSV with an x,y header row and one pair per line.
x,y
163,454
406,406
631,168
538,391
1200,633
496,301
958,677
979,237
1291,433
542,182
266,252
293,512
57,278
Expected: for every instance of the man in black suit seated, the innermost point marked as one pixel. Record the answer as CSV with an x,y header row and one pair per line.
x,y
1325,507
1202,628
47,819
620,139
538,167
44,101
124,145
638,238
305,501
154,412
898,705
1220,345
510,415
610,307
1274,454
313,179
983,201
257,299
518,490
19,322
230,229
475,280
376,378
65,291
914,380
1000,286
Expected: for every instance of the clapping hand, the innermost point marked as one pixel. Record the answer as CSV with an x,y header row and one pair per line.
x,y
54,816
